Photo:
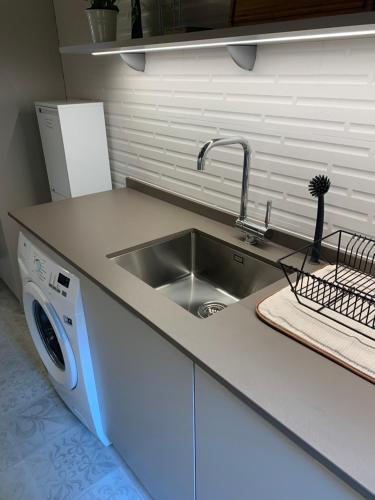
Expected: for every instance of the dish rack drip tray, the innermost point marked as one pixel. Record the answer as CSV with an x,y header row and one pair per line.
x,y
346,292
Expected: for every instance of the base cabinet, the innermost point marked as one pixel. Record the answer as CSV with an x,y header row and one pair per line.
x,y
239,455
146,388
184,434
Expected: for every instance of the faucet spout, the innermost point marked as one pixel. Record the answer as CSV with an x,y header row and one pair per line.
x,y
226,141
254,232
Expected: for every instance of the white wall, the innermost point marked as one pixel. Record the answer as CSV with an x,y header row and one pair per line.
x,y
30,69
306,108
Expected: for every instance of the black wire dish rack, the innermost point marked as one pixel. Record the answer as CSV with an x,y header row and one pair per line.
x,y
344,290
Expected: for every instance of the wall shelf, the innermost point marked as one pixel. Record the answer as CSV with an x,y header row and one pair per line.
x,y
240,41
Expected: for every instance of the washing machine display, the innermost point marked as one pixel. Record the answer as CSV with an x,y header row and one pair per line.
x,y
63,280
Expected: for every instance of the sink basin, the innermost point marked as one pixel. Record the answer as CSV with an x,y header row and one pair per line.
x,y
200,273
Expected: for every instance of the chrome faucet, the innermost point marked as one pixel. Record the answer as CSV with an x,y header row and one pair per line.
x,y
253,232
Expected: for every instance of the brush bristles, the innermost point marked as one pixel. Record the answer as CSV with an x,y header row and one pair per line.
x,y
319,185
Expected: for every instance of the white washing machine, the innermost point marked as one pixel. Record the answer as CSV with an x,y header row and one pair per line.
x,y
54,313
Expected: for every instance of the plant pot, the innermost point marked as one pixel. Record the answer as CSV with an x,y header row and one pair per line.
x,y
103,24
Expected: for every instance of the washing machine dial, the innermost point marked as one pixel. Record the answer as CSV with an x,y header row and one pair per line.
x,y
39,268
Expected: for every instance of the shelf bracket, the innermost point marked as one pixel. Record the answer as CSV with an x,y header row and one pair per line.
x,y
135,60
243,55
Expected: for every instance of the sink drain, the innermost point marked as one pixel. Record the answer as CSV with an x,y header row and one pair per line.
x,y
209,308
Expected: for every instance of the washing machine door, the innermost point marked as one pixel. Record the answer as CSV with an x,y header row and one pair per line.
x,y
49,336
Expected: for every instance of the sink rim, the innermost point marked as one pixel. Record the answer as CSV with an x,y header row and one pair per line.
x,y
164,239
186,299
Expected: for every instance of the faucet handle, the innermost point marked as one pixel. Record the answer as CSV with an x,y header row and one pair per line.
x,y
268,213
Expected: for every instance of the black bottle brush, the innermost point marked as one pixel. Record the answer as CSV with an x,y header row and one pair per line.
x,y
318,187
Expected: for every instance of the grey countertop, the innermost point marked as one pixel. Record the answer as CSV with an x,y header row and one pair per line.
x,y
324,406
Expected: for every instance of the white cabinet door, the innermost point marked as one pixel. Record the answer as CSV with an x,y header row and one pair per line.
x,y
240,455
53,149
146,388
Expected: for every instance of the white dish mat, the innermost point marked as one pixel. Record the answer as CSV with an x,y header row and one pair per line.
x,y
347,347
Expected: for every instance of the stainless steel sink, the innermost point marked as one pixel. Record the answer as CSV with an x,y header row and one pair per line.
x,y
200,273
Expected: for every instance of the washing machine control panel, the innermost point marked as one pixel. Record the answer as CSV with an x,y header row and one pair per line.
x,y
60,282
56,280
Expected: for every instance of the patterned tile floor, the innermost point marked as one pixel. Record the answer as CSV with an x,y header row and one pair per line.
x,y
45,452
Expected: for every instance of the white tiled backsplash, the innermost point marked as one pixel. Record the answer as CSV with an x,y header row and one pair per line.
x,y
306,108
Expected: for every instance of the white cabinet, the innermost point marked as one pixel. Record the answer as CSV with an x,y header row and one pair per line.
x,y
146,388
75,147
240,455
186,436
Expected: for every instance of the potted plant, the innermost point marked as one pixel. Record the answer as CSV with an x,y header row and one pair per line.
x,y
102,16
